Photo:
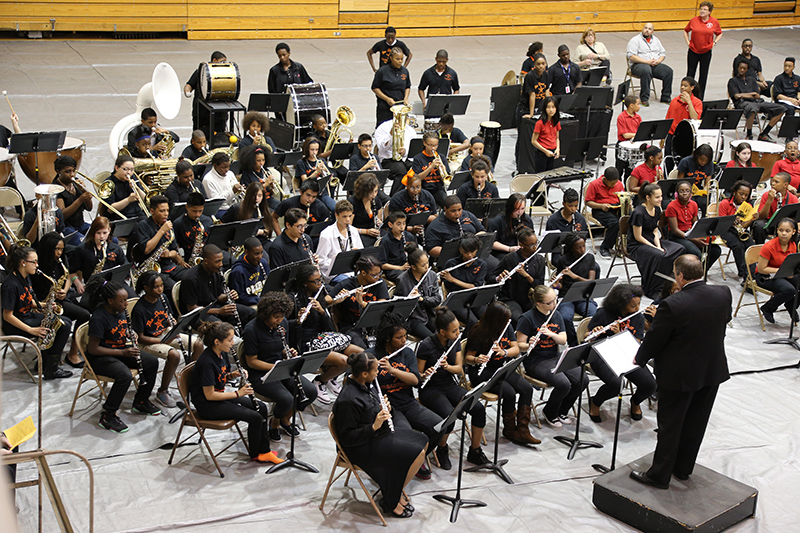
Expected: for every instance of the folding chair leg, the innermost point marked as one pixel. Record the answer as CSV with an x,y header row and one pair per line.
x,y
330,482
371,499
177,440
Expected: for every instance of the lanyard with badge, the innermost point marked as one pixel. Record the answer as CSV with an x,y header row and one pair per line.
x,y
566,74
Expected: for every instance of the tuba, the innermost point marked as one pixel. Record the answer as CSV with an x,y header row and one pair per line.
x,y
46,207
400,112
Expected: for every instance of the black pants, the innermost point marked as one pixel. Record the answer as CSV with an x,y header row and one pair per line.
x,y
51,357
682,421
119,369
410,414
242,410
421,329
704,60
282,393
641,377
541,161
783,291
76,313
442,400
509,388
567,386
714,250
397,169
610,220
738,248
759,232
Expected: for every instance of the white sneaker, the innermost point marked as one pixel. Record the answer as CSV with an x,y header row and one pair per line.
x,y
333,386
322,393
553,424
165,399
566,420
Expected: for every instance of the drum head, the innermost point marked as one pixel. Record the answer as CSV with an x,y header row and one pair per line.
x,y
5,156
491,124
683,141
71,143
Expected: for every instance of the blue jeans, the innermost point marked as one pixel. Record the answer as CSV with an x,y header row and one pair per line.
x,y
568,310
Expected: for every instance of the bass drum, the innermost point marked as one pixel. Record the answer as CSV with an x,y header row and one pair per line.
x,y
763,154
305,101
689,136
6,165
491,133
220,82
73,147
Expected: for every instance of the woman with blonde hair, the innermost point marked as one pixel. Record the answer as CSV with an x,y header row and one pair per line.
x,y
592,53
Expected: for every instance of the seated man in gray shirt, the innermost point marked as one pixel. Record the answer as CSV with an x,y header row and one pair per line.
x,y
646,60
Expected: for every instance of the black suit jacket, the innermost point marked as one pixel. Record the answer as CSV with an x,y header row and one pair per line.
x,y
687,338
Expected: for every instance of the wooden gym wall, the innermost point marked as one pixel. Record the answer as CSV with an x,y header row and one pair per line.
x,y
276,19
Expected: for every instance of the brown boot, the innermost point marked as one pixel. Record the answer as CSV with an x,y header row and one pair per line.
x,y
523,421
510,430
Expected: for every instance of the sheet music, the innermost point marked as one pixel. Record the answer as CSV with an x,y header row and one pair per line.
x,y
618,352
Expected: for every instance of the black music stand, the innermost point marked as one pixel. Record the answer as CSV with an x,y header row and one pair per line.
x,y
416,147
279,277
789,268
292,369
496,465
459,178
622,91
589,98
231,234
714,104
789,128
176,210
751,175
450,248
439,104
594,77
373,313
117,274
212,205
668,187
123,227
471,298
186,324
45,141
342,151
618,353
220,113
345,262
708,227
485,208
418,219
788,211
588,290
651,130
315,229
460,413
266,102
576,357
583,150
353,175
720,119
282,159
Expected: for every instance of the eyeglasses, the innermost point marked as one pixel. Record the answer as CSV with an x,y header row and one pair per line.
x,y
315,281
551,302
301,226
32,261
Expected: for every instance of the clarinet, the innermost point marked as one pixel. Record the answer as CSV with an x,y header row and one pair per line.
x,y
460,227
244,381
502,332
384,404
403,242
288,355
416,210
172,322
238,326
439,361
307,249
375,214
138,357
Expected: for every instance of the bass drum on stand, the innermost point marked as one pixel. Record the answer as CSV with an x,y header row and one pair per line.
x,y
6,165
491,133
307,100
220,82
689,136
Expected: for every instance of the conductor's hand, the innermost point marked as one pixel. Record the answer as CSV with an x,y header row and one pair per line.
x,y
380,418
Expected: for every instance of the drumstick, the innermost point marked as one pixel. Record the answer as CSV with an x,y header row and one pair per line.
x,y
5,93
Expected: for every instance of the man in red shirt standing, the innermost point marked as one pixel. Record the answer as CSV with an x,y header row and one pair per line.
x,y
705,32
789,164
601,197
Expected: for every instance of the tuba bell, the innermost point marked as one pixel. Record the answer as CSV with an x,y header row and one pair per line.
x,y
46,207
400,113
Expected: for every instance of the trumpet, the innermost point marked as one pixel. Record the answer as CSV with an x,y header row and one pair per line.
x,y
106,186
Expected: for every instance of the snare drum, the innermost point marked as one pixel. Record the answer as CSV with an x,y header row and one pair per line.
x,y
219,82
73,147
689,136
631,152
6,165
307,100
491,133
764,155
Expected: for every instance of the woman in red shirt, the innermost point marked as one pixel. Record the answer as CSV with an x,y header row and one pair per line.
x,y
742,157
648,172
681,214
772,255
545,136
701,34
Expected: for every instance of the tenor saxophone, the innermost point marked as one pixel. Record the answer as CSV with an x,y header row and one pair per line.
x,y
151,262
197,250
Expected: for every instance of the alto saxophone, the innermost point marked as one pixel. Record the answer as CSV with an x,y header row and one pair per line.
x,y
102,263
52,309
151,262
197,250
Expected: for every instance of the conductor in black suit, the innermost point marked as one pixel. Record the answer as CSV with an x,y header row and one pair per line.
x,y
687,341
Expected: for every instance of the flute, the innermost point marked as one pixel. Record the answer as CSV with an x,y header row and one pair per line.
x,y
416,287
561,274
384,405
349,293
456,267
307,309
438,362
533,342
497,342
593,335
503,279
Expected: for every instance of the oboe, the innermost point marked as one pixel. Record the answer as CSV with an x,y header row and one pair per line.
x,y
307,308
138,357
172,322
561,274
287,352
238,326
439,361
497,342
593,335
384,405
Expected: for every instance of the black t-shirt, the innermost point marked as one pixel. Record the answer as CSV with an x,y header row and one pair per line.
x,y
316,212
75,220
697,174
434,181
558,222
383,48
456,136
393,250
314,323
473,273
431,350
530,322
146,230
122,190
152,319
186,231
232,214
468,190
191,153
564,79
603,318
279,77
199,288
361,219
392,386
86,257
516,288
210,370
179,194
738,85
483,346
110,328
284,250
534,83
263,342
349,309
41,286
503,233
402,201
753,61
584,267
439,82
442,229
786,85
248,141
18,296
393,82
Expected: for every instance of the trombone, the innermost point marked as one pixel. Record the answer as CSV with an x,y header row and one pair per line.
x,y
8,234
104,190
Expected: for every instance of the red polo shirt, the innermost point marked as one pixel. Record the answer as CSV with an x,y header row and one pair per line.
x,y
627,124
598,192
548,134
774,206
775,256
702,39
792,167
683,213
643,173
679,111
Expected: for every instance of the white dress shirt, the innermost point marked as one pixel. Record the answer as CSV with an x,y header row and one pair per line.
x,y
332,243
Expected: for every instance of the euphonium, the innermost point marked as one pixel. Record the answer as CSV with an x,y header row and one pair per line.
x,y
345,118
744,213
52,309
46,207
400,112
151,262
169,146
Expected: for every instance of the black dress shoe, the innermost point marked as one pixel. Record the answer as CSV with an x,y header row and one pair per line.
x,y
678,476
768,316
405,514
58,373
643,478
636,415
77,365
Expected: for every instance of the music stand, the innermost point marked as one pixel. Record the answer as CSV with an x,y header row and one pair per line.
x,y
789,128
279,277
714,104
595,77
471,298
617,352
45,141
496,465
117,274
315,229
416,147
292,369
418,219
266,102
123,227
353,175
651,130
485,208
622,91
789,268
576,357
720,119
587,290
589,98
186,323
751,175
582,150
439,104
221,235
459,178
345,262
787,211
373,313
177,210
708,227
212,205
669,187
460,413
342,151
